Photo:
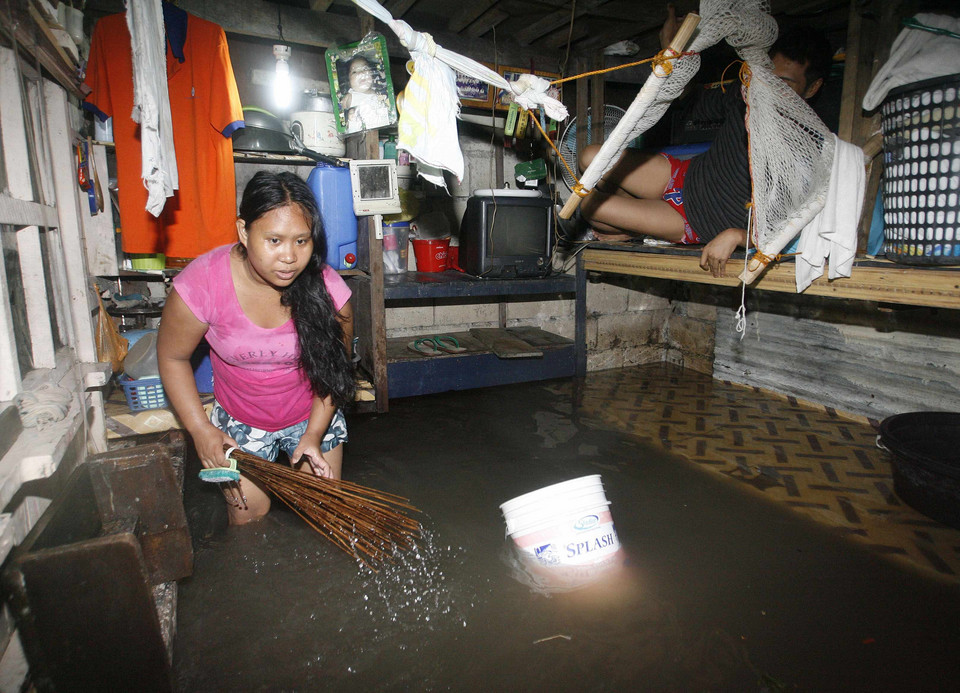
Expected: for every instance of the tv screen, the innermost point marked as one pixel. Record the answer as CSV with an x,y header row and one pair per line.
x,y
506,233
374,183
513,230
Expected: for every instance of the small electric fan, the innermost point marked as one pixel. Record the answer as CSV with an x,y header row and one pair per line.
x,y
568,142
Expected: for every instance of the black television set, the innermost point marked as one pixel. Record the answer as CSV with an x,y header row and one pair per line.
x,y
506,234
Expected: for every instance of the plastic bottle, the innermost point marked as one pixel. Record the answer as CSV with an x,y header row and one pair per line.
x,y
390,149
331,188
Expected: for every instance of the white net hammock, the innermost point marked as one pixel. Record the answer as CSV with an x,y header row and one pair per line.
x,y
791,150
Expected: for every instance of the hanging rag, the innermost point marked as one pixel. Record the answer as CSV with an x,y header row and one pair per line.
x,y
831,235
427,127
151,102
917,55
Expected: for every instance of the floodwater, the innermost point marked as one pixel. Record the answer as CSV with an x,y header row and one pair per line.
x,y
715,590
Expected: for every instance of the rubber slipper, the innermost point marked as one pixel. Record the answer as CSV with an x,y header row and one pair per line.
x,y
425,346
448,344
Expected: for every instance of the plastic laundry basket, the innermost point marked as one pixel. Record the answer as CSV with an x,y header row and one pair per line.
x,y
921,188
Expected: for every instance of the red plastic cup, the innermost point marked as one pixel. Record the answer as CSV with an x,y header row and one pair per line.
x,y
431,254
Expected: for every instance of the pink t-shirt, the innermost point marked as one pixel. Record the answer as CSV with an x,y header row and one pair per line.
x,y
256,376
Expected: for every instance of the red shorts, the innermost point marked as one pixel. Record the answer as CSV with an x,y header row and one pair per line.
x,y
673,196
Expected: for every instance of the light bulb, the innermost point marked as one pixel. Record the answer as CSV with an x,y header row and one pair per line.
x,y
282,84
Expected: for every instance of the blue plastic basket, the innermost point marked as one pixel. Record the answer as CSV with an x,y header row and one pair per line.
x,y
143,394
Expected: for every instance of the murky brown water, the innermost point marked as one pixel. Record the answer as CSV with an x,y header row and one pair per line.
x,y
716,590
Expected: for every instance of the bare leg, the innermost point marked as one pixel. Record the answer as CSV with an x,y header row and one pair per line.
x,y
333,458
246,501
628,199
636,173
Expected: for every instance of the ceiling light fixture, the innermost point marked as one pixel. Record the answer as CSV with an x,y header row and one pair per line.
x,y
283,83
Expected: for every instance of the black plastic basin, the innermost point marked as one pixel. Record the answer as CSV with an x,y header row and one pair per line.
x,y
926,462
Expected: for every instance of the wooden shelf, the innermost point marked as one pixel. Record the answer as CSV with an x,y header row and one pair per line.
x,y
870,280
451,284
411,373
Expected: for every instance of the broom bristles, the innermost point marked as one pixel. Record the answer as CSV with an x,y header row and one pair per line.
x,y
364,522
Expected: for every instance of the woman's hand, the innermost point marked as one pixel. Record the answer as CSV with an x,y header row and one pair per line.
x,y
715,254
209,442
308,450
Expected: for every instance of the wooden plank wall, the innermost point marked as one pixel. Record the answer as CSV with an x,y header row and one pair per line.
x,y
854,356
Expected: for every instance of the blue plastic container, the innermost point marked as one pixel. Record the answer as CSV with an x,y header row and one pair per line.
x,y
331,188
202,368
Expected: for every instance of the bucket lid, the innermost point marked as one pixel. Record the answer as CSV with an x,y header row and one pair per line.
x,y
519,526
547,491
571,500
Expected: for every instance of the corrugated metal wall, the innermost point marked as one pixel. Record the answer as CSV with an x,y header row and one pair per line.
x,y
856,356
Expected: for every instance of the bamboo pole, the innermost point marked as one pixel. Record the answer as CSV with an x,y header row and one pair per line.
x,y
646,95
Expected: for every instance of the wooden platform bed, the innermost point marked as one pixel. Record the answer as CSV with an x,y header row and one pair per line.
x,y
871,280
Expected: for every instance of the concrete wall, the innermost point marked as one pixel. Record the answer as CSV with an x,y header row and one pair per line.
x,y
856,356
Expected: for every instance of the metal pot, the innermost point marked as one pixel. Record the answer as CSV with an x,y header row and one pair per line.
x,y
265,132
262,132
314,100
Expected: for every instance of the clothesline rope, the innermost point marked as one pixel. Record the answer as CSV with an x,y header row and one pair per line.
x,y
660,60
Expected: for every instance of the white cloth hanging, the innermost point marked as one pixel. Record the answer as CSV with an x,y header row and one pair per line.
x,y
427,127
831,236
151,102
917,55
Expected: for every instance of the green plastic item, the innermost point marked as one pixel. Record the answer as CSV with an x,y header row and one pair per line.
x,y
221,474
390,149
530,170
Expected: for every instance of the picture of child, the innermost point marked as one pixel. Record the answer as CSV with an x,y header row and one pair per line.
x,y
365,101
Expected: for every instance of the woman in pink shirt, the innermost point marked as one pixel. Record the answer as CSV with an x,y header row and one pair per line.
x,y
278,322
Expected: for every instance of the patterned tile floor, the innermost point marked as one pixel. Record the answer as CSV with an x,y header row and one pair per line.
x,y
812,459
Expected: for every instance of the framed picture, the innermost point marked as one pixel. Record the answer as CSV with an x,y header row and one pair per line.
x,y
473,92
512,74
360,84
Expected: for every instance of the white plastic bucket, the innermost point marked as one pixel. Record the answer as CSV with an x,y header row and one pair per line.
x,y
566,524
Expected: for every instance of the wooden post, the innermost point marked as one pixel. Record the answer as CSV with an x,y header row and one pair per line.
x,y
849,107
370,323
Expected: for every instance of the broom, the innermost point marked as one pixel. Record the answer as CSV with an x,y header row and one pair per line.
x,y
362,521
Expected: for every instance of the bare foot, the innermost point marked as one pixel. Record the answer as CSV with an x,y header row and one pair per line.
x,y
612,237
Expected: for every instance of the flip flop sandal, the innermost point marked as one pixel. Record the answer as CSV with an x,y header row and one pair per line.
x,y
425,346
448,344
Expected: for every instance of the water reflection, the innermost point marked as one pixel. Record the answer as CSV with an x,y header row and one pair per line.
x,y
554,579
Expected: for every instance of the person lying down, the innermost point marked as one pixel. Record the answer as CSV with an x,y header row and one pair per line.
x,y
700,200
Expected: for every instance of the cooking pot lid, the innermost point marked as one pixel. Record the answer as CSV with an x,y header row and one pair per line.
x,y
257,139
254,117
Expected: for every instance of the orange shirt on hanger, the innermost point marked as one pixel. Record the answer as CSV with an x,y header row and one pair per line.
x,y
205,108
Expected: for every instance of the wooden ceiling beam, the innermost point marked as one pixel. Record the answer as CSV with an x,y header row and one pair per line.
x,y
398,8
554,20
491,18
465,16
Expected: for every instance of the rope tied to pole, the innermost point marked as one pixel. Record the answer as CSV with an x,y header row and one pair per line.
x,y
662,58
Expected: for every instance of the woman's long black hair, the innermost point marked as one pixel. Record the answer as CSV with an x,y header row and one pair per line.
x,y
323,355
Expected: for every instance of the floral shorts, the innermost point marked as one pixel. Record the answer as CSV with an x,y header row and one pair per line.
x,y
268,444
